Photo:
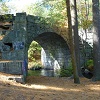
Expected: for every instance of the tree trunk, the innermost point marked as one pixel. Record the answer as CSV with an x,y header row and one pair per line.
x,y
76,36
75,72
96,40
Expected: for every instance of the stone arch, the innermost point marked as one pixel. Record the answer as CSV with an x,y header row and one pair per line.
x,y
55,52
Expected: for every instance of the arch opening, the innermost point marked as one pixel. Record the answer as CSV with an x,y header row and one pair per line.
x,y
34,54
54,52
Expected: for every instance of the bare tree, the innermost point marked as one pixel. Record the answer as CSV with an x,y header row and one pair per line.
x,y
75,32
72,49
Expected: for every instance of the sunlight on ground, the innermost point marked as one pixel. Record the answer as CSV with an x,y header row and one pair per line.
x,y
52,88
44,87
94,87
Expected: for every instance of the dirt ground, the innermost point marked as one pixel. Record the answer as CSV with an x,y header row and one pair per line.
x,y
49,88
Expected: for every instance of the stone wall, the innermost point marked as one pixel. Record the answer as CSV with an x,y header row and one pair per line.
x,y
11,67
12,45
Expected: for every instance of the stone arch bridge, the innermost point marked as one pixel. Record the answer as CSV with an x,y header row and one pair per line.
x,y
17,33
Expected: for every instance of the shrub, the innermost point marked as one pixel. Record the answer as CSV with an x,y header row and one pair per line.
x,y
89,65
35,66
66,72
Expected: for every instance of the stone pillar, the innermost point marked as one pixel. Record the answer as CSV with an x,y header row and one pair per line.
x,y
20,40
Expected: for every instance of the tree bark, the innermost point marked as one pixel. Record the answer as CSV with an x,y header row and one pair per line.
x,y
72,50
96,40
75,32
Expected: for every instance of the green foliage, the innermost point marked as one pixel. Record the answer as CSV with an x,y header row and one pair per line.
x,y
89,64
85,24
4,9
84,9
6,17
37,65
37,10
66,72
34,64
34,73
57,11
53,10
34,52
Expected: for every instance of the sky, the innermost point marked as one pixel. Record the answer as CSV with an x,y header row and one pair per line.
x,y
19,5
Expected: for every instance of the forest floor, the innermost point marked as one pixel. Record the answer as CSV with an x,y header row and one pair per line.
x,y
49,88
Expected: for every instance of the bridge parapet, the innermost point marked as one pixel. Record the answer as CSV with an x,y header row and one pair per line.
x,y
10,66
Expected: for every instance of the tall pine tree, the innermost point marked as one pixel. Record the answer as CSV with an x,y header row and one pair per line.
x,y
96,39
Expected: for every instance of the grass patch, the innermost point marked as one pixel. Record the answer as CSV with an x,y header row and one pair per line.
x,y
34,73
